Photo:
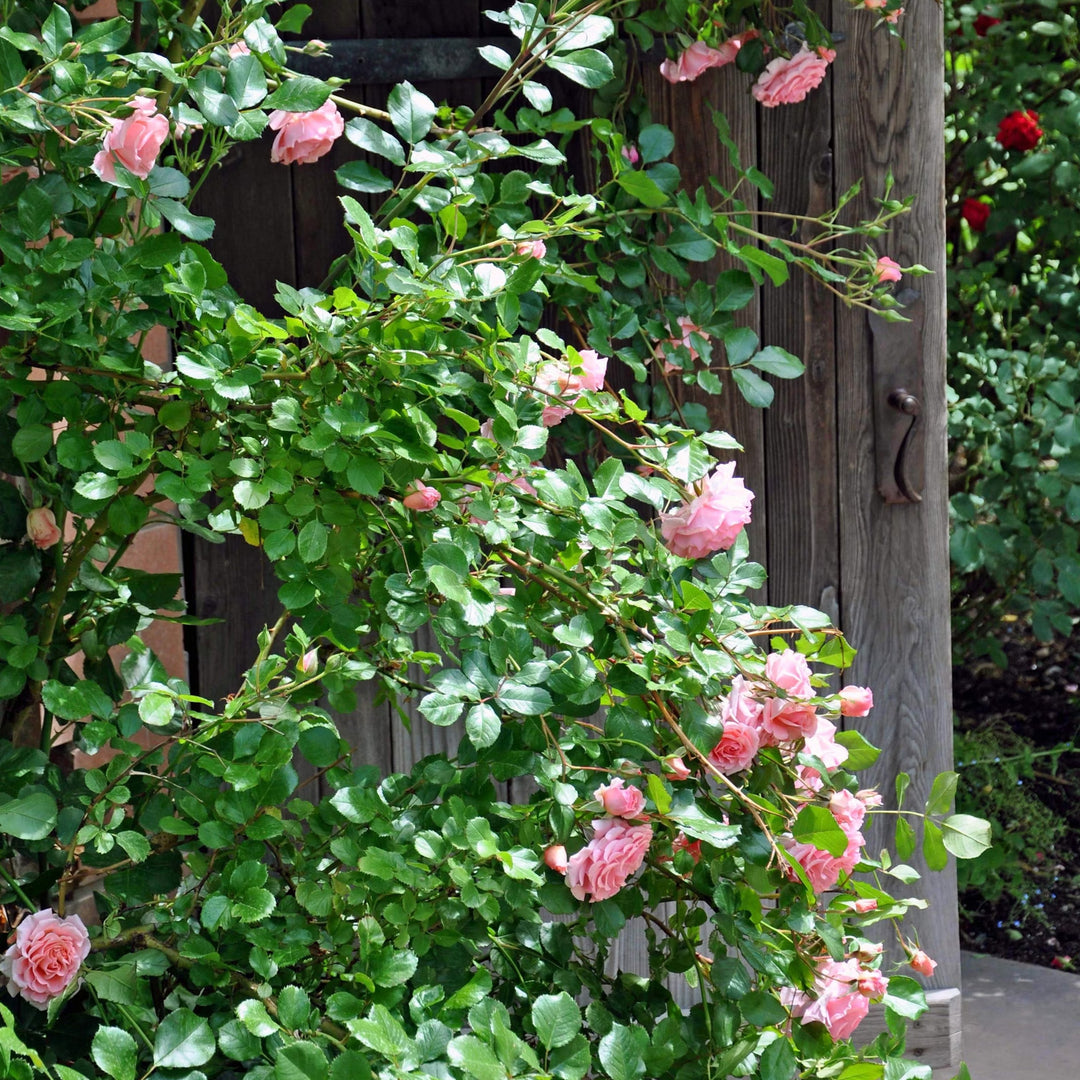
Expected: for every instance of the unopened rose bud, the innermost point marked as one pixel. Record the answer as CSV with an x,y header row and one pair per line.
x,y
869,797
309,661
555,858
41,527
856,700
863,906
315,47
535,249
675,768
418,496
922,963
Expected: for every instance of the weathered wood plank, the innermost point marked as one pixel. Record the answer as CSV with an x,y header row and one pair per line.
x,y
933,1039
895,572
800,426
685,108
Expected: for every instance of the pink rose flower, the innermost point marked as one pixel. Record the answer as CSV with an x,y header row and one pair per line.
x,y
821,743
736,750
304,137
712,520
872,984
700,57
893,16
675,768
46,956
862,907
418,496
240,48
790,717
836,1002
133,142
822,869
848,809
535,249
886,269
41,527
629,151
786,81
856,700
922,963
869,797
619,800
601,868
555,858
558,381
688,327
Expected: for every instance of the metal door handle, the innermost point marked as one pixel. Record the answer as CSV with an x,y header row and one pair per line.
x,y
908,404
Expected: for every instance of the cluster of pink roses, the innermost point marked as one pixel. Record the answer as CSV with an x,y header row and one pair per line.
x,y
558,381
712,520
46,956
615,852
785,80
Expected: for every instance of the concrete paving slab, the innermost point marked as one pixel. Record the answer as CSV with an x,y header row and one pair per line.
x,y
1019,1020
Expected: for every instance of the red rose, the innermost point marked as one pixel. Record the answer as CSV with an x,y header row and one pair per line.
x,y
1019,131
975,212
983,23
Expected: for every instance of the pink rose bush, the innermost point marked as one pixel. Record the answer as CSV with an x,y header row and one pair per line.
x,y
41,527
712,520
788,80
304,137
133,142
619,800
601,868
46,956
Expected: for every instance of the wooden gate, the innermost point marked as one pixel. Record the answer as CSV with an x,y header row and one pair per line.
x,y
833,460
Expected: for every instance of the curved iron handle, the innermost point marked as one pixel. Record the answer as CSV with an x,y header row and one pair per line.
x,y
904,401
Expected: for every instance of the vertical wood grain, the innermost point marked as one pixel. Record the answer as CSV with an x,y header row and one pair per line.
x,y
895,571
800,425
685,108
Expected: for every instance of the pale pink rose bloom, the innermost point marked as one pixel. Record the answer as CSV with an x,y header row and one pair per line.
x,y
557,380
594,370
601,868
922,963
304,137
675,768
865,905
821,743
517,481
786,81
712,520
41,527
736,749
836,1002
700,58
630,153
873,5
893,16
740,706
869,797
555,858
619,800
535,249
133,142
487,430
886,269
46,956
790,717
418,496
240,48
869,951
309,661
848,809
822,869
554,414
856,700
688,327
807,780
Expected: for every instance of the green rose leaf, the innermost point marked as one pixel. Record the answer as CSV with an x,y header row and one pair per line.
x,y
557,1019
965,836
114,1053
411,112
29,818
183,1041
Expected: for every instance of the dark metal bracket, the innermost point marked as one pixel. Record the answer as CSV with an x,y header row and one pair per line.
x,y
391,60
899,438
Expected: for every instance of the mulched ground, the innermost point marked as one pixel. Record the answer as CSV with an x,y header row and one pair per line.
x,y
1037,697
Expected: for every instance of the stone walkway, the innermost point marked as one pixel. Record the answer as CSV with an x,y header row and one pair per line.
x,y
1019,1021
